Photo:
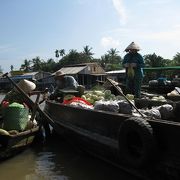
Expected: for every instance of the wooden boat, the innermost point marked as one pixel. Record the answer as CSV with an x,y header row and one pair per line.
x,y
12,144
160,89
148,148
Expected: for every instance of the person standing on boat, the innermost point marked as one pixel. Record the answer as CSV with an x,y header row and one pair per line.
x,y
63,82
133,62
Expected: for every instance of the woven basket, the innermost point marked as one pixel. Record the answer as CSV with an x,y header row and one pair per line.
x,y
15,118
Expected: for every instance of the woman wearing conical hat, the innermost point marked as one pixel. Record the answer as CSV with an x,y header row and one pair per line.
x,y
15,96
133,62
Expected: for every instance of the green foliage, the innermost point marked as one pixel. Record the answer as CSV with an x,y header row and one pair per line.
x,y
1,70
11,67
26,65
176,59
152,60
59,53
109,61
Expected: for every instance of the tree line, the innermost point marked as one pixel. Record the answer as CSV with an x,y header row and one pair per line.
x,y
109,61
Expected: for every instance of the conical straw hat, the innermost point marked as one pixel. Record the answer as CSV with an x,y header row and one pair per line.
x,y
26,86
132,46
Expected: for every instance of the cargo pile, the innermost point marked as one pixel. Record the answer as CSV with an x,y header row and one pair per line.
x,y
106,101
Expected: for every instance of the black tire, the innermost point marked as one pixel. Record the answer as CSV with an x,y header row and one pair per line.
x,y
137,145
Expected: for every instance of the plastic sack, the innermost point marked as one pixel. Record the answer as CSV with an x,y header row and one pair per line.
x,y
166,110
80,105
124,107
153,113
111,106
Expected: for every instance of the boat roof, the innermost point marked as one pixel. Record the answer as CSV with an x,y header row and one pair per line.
x,y
162,68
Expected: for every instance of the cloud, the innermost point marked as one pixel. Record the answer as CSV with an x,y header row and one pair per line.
x,y
154,2
109,42
171,35
118,5
82,2
6,48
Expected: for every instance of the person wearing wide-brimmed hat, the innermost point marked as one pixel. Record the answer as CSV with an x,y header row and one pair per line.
x,y
15,96
133,62
63,82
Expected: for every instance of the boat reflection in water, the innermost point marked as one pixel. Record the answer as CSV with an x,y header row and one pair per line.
x,y
58,161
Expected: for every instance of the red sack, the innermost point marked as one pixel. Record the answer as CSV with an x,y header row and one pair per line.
x,y
5,104
77,99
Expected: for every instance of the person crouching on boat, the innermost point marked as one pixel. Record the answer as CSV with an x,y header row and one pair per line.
x,y
133,62
15,96
63,82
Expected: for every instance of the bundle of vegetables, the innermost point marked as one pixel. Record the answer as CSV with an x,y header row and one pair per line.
x,y
130,96
130,72
159,98
94,96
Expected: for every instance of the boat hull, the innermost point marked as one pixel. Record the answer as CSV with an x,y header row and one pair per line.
x,y
10,145
103,134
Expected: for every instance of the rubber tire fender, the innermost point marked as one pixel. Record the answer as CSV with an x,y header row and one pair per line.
x,y
137,145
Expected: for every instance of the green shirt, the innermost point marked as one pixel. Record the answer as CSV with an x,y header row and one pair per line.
x,y
14,96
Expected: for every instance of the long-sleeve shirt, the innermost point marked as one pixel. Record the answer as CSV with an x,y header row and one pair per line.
x,y
135,58
68,82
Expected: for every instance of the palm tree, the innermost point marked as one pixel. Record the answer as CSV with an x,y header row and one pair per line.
x,y
56,53
176,59
37,64
87,51
86,55
152,60
113,52
1,69
11,67
62,52
26,65
113,55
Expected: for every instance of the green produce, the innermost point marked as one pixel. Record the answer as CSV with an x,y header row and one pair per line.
x,y
84,97
68,97
4,132
130,72
14,104
90,100
130,96
107,92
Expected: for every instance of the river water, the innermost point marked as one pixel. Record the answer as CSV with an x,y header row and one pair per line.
x,y
58,160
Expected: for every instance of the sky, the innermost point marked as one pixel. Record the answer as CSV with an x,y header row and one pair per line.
x,y
31,28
